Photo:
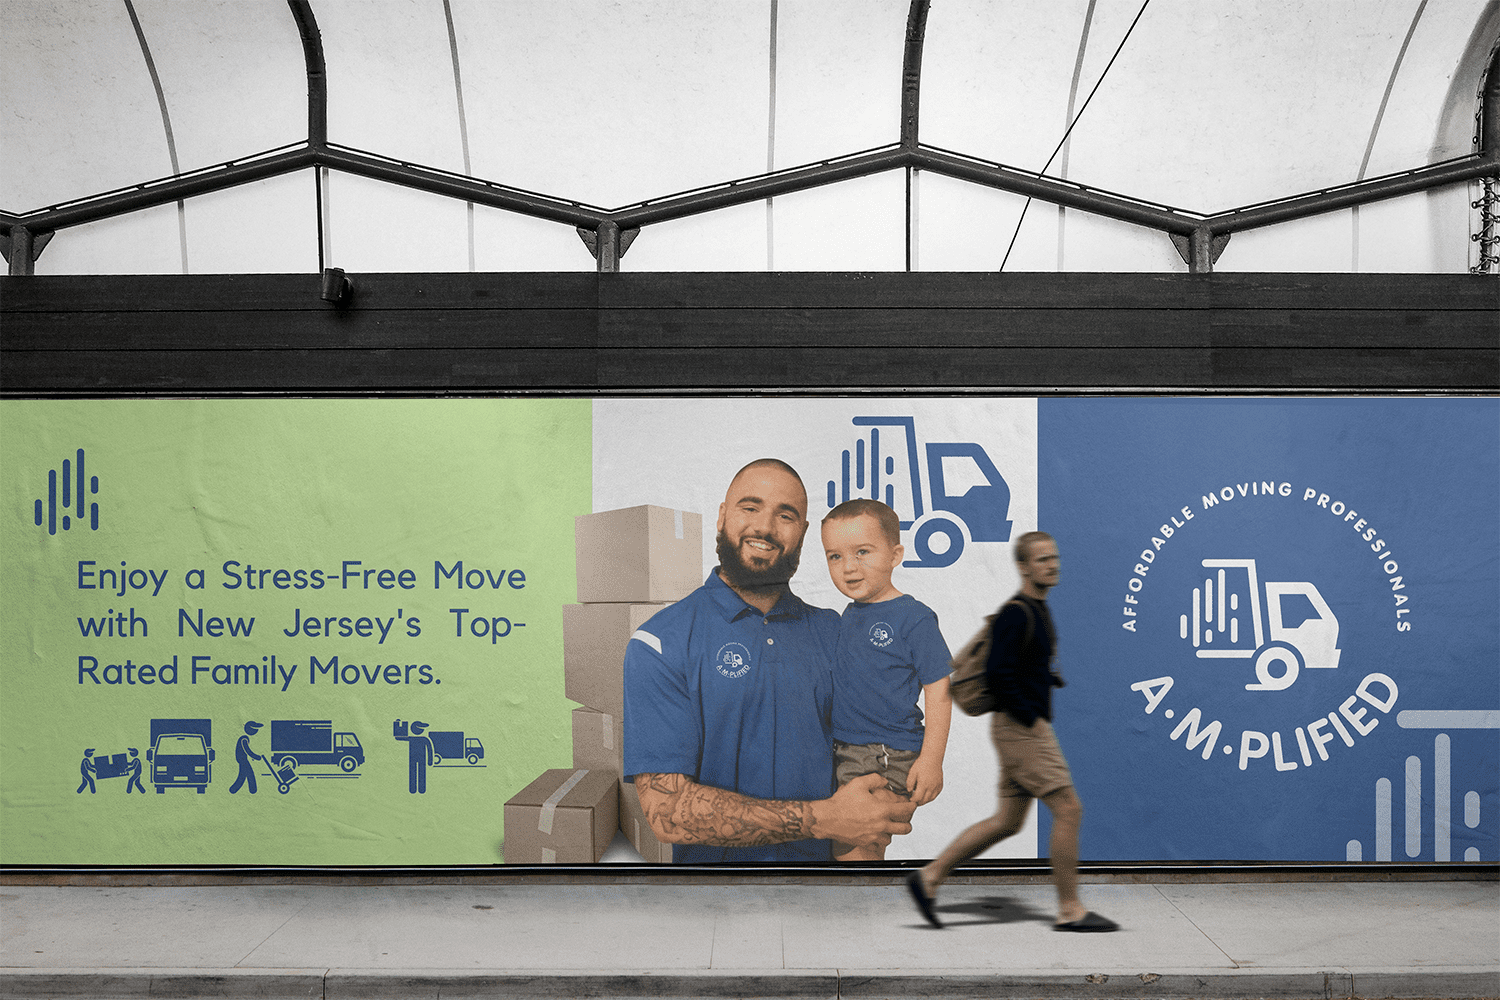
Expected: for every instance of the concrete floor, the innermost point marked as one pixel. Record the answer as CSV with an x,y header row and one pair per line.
x,y
1289,939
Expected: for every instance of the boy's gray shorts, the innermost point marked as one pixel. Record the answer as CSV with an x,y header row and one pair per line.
x,y
855,759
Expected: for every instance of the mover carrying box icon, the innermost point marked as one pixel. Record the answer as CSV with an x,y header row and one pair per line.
x,y
1215,612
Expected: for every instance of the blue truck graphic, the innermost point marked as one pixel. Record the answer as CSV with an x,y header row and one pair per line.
x,y
313,741
888,466
181,754
452,747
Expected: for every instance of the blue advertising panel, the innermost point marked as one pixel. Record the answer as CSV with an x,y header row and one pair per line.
x,y
1281,619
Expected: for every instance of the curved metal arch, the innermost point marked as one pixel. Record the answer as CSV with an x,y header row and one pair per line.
x,y
911,72
317,72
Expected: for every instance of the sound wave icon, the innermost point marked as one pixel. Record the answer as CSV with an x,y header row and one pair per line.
x,y
1442,790
72,481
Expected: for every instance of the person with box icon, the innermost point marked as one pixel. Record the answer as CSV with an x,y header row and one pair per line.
x,y
890,649
87,770
135,773
728,698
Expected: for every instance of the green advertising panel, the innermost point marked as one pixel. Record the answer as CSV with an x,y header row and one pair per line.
x,y
282,632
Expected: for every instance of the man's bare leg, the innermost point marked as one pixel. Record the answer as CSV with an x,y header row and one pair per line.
x,y
977,839
1067,818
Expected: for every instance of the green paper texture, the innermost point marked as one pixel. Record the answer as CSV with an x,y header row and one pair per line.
x,y
294,485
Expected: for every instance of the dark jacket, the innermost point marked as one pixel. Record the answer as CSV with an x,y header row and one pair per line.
x,y
1019,671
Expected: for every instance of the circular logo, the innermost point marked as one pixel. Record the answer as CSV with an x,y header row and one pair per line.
x,y
882,635
1272,635
732,660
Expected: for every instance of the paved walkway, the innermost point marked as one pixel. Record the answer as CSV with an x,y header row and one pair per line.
x,y
645,938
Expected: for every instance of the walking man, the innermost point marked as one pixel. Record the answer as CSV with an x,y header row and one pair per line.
x,y
1020,675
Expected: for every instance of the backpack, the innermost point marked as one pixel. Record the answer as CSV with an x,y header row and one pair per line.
x,y
968,683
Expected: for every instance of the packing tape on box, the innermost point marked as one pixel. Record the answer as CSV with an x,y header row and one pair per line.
x,y
549,856
549,807
609,730
677,523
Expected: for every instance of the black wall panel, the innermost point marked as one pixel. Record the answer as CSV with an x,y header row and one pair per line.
x,y
715,332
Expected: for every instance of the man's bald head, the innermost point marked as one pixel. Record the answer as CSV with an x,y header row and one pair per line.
x,y
762,522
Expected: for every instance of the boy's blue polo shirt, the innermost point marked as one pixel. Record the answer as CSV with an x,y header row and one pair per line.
x,y
738,700
887,652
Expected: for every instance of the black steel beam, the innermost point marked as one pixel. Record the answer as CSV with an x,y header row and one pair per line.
x,y
166,191
1057,192
1360,193
458,186
761,187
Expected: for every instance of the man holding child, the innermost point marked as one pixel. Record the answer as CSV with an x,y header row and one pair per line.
x,y
740,698
729,698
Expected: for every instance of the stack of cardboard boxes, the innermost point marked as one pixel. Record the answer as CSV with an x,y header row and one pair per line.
x,y
631,564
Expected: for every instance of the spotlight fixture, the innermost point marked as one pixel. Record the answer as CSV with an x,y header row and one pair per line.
x,y
337,288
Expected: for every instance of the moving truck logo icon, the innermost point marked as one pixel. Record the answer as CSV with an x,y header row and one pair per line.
x,y
732,660
1279,641
947,494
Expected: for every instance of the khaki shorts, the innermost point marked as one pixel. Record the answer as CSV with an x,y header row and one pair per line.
x,y
1031,762
854,759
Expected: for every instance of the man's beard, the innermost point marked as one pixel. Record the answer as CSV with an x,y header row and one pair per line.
x,y
775,574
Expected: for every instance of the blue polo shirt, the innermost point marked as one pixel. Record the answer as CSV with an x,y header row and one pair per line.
x,y
735,699
887,651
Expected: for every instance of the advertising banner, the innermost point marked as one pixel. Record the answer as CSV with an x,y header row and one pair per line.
x,y
1287,625
291,632
395,632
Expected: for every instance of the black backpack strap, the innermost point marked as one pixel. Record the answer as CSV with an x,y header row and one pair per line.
x,y
1030,618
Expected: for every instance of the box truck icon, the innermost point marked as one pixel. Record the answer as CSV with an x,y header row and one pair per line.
x,y
966,498
1215,619
313,741
181,754
452,747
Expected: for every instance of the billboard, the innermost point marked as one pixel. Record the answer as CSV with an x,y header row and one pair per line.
x,y
390,632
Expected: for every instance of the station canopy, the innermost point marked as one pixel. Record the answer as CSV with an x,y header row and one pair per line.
x,y
485,134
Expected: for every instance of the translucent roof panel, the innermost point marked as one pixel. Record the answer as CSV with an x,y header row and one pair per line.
x,y
478,134
1202,106
100,94
611,103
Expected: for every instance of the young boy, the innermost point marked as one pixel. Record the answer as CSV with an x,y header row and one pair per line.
x,y
889,647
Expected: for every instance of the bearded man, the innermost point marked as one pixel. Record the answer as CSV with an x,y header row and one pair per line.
x,y
728,735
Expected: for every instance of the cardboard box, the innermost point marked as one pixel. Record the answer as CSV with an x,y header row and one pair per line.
x,y
114,766
594,640
638,555
566,816
633,824
598,740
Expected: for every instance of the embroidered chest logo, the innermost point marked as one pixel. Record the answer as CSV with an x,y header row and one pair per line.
x,y
882,635
732,660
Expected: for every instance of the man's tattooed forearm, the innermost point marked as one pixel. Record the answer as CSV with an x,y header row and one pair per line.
x,y
690,813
